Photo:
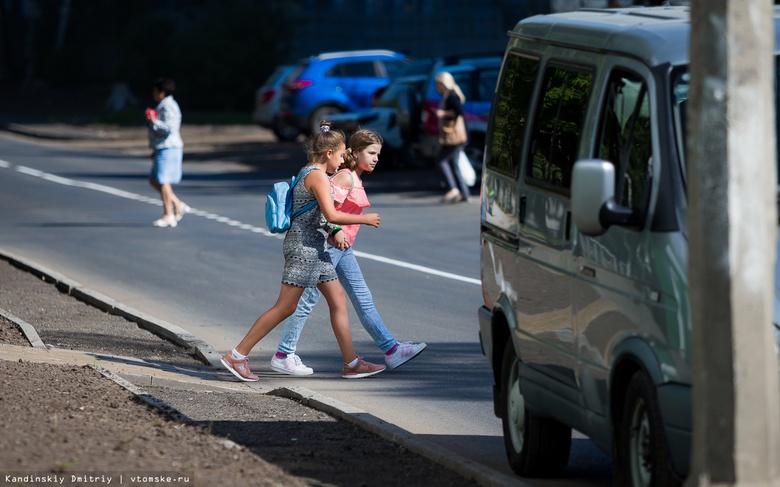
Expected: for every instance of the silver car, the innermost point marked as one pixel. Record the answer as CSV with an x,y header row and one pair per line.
x,y
267,100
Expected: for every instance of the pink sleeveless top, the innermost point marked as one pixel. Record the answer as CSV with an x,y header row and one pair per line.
x,y
350,202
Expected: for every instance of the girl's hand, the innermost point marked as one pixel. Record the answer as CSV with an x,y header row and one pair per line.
x,y
340,240
371,219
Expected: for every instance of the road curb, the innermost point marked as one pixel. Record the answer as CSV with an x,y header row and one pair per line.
x,y
161,328
27,329
484,476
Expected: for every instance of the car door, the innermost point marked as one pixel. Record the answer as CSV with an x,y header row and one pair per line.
x,y
545,260
360,80
614,295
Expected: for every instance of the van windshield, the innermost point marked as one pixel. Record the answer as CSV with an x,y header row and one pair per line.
x,y
680,83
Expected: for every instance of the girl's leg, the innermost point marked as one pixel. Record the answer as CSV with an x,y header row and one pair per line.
x,y
293,326
169,199
339,319
351,277
445,155
285,306
461,184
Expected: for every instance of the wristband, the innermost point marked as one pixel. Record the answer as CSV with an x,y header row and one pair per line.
x,y
335,230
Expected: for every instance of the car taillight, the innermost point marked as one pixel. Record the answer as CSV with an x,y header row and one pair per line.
x,y
267,95
298,84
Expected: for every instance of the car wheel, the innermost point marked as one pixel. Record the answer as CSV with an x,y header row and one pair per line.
x,y
643,457
319,114
284,132
535,447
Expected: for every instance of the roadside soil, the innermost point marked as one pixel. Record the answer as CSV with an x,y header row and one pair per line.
x,y
73,421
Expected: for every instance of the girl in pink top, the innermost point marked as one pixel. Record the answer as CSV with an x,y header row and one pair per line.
x,y
350,197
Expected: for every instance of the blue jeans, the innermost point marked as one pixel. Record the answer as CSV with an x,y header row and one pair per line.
x,y
351,278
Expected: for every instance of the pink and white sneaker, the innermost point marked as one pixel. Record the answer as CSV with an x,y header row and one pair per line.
x,y
239,368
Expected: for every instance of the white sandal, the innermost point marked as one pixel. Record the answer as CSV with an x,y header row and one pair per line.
x,y
181,210
165,221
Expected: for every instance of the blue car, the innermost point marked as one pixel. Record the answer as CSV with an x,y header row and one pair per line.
x,y
336,82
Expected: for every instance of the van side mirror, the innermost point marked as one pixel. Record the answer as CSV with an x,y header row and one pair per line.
x,y
593,206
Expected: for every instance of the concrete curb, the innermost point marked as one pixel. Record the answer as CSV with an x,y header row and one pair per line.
x,y
468,469
161,328
482,475
27,329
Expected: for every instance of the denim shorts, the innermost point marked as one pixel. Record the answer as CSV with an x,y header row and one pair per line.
x,y
166,168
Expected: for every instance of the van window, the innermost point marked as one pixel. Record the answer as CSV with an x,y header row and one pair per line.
x,y
556,135
511,114
626,137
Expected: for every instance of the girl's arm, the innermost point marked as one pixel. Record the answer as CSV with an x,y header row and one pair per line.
x,y
318,184
343,179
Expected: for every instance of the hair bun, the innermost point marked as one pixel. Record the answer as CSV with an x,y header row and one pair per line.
x,y
324,126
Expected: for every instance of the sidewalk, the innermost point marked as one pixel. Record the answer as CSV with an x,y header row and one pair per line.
x,y
306,434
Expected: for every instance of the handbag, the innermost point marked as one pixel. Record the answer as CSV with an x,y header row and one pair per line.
x,y
466,169
453,131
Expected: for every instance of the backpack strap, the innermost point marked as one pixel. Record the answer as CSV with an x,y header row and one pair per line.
x,y
308,206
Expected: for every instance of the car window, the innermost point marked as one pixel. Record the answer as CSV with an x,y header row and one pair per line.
x,y
389,97
626,137
486,84
681,80
556,134
393,69
511,114
357,69
466,86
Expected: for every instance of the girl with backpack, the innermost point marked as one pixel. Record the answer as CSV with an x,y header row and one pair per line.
x,y
306,261
350,196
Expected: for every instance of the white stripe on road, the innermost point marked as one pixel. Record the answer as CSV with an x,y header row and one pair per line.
x,y
220,219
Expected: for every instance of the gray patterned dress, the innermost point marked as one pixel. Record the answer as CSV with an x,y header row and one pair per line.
x,y
306,263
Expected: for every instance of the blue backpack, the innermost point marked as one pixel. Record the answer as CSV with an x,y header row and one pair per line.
x,y
278,205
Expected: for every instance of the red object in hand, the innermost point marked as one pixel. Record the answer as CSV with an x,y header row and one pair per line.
x,y
150,112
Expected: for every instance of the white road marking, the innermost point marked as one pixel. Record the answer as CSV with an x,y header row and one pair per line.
x,y
220,219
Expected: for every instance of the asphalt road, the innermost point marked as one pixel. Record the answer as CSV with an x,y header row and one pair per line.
x,y
88,216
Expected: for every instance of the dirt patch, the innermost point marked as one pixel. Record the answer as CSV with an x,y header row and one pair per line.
x,y
73,421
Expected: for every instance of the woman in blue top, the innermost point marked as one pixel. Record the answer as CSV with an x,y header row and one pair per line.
x,y
164,122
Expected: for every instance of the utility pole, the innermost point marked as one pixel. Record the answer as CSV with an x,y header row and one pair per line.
x,y
732,223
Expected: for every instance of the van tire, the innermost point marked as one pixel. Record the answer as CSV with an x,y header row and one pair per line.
x,y
643,457
535,446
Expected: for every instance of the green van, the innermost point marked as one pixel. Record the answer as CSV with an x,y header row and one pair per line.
x,y
585,321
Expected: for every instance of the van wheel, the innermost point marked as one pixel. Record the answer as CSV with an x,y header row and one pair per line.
x,y
535,447
643,457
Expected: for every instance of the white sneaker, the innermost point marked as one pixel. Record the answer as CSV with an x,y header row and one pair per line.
x,y
405,352
290,365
